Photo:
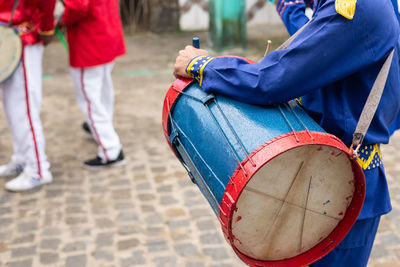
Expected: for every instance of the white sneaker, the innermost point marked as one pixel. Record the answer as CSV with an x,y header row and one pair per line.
x,y
24,182
11,169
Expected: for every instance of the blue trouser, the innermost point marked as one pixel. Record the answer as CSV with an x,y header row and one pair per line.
x,y
355,248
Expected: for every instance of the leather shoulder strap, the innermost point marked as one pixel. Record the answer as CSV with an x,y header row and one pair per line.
x,y
16,2
373,99
289,41
372,103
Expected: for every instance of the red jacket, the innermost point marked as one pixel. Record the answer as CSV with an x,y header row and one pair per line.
x,y
30,18
95,35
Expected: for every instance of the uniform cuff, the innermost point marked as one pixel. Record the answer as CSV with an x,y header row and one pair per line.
x,y
51,32
309,3
196,66
279,6
284,4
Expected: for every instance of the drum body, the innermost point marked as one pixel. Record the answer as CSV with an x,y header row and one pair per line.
x,y
11,51
285,191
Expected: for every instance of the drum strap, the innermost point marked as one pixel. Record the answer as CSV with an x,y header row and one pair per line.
x,y
373,99
289,41
16,2
372,103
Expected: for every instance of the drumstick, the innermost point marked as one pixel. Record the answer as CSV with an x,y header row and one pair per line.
x,y
61,37
57,29
196,42
268,46
266,50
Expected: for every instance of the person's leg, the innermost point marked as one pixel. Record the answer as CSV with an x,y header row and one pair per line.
x,y
22,102
12,92
355,248
107,93
88,85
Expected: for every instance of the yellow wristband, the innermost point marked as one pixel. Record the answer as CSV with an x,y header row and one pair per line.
x,y
196,67
51,32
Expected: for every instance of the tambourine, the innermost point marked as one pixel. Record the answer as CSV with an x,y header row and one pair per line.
x,y
10,51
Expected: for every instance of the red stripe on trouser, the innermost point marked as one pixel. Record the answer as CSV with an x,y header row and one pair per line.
x,y
28,110
90,116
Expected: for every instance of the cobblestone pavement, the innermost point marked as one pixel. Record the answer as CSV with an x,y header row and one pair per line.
x,y
147,213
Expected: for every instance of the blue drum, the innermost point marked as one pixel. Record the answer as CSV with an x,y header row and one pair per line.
x,y
285,191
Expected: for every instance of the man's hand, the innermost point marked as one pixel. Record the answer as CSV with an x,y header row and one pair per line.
x,y
183,59
46,38
61,26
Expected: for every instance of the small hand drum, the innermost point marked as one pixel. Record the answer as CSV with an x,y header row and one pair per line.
x,y
285,191
10,52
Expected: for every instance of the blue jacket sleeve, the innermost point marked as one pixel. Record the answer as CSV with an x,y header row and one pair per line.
x,y
396,8
329,49
292,14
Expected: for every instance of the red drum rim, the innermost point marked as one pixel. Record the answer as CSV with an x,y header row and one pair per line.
x,y
173,93
267,152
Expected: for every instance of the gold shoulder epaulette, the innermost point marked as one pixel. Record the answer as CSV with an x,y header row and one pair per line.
x,y
346,8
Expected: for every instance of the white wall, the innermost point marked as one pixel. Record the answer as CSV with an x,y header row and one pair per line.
x,y
197,19
265,15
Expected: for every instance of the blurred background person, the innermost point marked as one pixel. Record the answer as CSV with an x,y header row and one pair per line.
x,y
95,39
22,94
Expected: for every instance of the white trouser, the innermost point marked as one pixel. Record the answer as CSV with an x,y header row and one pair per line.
x,y
22,98
95,94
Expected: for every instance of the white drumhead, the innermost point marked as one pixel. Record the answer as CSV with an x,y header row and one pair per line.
x,y
293,202
10,52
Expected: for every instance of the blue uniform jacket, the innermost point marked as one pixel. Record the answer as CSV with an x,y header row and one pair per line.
x,y
293,15
332,65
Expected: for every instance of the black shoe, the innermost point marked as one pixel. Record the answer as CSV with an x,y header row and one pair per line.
x,y
99,163
86,128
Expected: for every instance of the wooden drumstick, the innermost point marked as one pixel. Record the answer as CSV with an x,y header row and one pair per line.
x,y
266,50
196,42
268,46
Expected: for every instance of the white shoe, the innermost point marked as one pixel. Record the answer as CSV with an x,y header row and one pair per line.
x,y
11,169
24,182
